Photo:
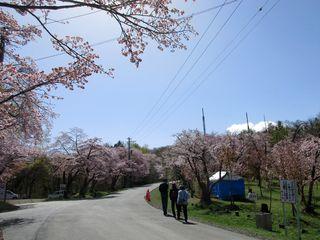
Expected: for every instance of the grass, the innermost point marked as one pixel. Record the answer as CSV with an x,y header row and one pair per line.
x,y
5,207
218,214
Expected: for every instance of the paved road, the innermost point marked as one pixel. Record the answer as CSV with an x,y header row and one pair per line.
x,y
120,216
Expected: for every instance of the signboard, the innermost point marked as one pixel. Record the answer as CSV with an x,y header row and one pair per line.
x,y
252,197
288,189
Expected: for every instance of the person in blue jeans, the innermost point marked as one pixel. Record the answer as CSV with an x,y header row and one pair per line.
x,y
182,202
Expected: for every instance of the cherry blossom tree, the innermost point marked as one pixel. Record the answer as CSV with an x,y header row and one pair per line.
x,y
310,149
257,156
229,152
156,170
90,163
75,156
24,87
11,154
64,153
14,154
192,150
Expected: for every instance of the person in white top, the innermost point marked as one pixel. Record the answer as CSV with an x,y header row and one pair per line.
x,y
182,202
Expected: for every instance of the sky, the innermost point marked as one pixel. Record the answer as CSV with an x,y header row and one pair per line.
x,y
273,73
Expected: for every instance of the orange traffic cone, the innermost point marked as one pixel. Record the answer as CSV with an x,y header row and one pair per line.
x,y
148,196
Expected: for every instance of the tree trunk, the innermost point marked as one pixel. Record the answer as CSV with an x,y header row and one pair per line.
x,y
205,194
31,188
92,188
64,177
68,189
303,197
84,187
309,206
189,184
270,195
260,183
293,208
114,181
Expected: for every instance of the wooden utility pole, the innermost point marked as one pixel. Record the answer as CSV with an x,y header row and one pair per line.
x,y
265,123
247,121
203,123
2,46
129,148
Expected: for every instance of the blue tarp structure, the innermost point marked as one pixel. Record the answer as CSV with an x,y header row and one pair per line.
x,y
226,186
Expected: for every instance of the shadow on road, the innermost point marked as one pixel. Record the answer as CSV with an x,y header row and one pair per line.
x,y
15,221
26,206
109,196
189,223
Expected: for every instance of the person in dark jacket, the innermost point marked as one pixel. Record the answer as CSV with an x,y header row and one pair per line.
x,y
173,198
163,188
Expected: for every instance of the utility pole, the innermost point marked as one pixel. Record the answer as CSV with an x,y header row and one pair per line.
x,y
265,123
129,148
203,123
247,121
2,45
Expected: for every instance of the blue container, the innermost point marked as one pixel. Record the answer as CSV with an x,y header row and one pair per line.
x,y
229,189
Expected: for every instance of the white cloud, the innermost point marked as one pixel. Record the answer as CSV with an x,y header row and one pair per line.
x,y
258,127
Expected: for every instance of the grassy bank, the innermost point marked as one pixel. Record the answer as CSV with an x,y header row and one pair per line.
x,y
5,207
219,214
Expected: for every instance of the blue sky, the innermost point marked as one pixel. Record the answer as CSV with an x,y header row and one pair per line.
x,y
274,72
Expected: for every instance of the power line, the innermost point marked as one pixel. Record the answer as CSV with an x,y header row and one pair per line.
x,y
166,116
199,57
70,18
93,45
114,39
219,64
229,44
209,9
178,71
52,21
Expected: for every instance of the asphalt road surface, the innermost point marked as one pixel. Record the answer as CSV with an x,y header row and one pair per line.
x,y
120,216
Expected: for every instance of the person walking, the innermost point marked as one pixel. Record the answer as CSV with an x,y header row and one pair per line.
x,y
182,202
148,196
163,188
173,198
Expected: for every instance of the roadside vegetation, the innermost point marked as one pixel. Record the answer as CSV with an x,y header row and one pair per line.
x,y
285,150
243,219
5,207
78,167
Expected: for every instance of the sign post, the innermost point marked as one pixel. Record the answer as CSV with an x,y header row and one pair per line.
x,y
298,216
289,194
253,198
284,219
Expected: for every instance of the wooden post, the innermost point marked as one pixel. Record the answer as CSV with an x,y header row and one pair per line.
x,y
284,220
298,215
